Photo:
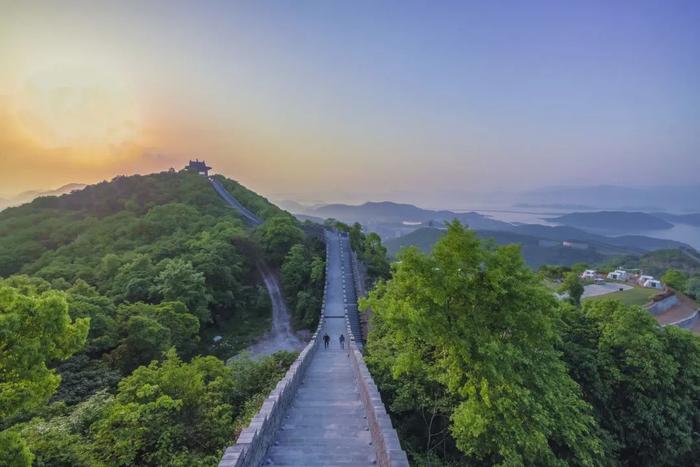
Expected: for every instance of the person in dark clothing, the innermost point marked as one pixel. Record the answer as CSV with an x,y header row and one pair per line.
x,y
342,341
326,340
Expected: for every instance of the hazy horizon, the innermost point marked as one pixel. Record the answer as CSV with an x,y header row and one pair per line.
x,y
552,197
374,97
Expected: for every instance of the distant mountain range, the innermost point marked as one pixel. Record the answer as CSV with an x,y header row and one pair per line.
x,y
396,213
536,252
576,240
613,221
28,196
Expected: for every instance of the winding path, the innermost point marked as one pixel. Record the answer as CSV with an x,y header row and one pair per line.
x,y
280,337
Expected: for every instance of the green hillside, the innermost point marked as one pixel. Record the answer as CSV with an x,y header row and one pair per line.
x,y
658,262
131,279
613,220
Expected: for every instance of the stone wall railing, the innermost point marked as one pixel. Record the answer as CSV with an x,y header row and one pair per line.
x,y
255,440
658,307
384,437
359,280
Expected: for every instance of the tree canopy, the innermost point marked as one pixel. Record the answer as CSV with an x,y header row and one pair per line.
x,y
35,329
478,325
110,303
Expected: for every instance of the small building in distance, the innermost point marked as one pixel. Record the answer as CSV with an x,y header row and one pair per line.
x,y
198,166
589,274
574,245
643,278
618,275
653,284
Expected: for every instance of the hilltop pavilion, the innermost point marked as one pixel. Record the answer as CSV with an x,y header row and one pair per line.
x,y
198,166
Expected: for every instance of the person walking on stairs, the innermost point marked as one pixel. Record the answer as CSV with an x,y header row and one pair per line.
x,y
326,341
342,341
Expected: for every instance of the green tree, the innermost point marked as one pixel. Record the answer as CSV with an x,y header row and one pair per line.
x,y
578,268
642,380
478,323
277,236
573,286
34,329
374,257
692,287
176,413
85,302
675,279
134,280
303,276
296,268
145,340
179,281
553,271
14,451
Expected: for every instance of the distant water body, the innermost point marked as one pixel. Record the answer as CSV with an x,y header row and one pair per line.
x,y
679,232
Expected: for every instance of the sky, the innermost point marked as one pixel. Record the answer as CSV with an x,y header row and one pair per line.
x,y
335,100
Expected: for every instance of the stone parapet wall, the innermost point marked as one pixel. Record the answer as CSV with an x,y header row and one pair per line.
x,y
255,440
384,437
658,307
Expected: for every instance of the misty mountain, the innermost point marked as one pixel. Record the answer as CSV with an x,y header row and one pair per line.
x,y
28,196
637,243
534,251
545,245
396,213
688,219
291,206
613,221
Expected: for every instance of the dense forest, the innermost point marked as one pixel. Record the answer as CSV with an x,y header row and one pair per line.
x,y
109,301
110,298
480,365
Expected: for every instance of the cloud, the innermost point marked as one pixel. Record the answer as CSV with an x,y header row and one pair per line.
x,y
28,163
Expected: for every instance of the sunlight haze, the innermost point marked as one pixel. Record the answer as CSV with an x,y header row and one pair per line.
x,y
395,96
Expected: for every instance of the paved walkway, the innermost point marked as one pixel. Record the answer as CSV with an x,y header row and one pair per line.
x,y
327,423
595,290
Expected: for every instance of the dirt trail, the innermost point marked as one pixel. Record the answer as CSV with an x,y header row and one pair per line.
x,y
281,336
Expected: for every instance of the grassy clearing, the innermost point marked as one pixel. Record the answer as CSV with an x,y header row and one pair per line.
x,y
635,296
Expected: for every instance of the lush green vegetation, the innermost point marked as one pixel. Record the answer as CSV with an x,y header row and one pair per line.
x,y
678,269
656,263
370,251
112,295
480,365
536,251
303,273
